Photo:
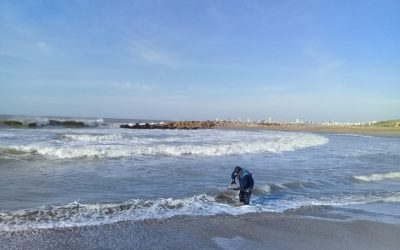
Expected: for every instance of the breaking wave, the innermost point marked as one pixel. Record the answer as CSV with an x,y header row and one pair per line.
x,y
379,177
280,144
292,186
40,122
77,214
357,135
93,137
224,202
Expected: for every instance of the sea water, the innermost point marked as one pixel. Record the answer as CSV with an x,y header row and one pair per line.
x,y
58,175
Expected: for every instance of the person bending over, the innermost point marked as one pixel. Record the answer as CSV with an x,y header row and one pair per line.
x,y
246,183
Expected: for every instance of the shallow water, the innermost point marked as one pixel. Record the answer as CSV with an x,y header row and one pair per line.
x,y
57,176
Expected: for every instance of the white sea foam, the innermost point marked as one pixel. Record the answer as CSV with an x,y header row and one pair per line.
x,y
355,199
76,214
46,121
197,147
93,137
357,135
342,200
262,189
379,176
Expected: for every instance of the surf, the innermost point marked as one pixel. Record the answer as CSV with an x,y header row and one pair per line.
x,y
210,143
43,122
393,176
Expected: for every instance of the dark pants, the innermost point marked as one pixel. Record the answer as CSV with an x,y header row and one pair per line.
x,y
244,196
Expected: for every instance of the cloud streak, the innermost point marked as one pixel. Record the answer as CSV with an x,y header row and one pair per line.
x,y
153,54
135,87
322,58
201,57
329,66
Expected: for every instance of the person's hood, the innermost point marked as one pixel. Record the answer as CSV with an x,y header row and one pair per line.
x,y
244,172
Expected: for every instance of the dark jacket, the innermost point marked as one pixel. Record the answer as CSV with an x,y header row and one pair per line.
x,y
245,179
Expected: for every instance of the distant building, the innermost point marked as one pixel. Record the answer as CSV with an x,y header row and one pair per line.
x,y
370,123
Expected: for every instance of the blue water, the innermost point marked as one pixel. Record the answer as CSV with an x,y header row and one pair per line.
x,y
57,176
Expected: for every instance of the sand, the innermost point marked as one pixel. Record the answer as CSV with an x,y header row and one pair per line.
x,y
364,130
347,130
250,231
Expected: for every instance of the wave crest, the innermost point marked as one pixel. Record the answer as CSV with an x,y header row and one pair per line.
x,y
379,177
278,145
39,122
77,214
93,137
225,201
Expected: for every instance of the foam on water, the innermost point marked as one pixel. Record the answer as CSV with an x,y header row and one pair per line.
x,y
93,137
394,176
40,122
265,189
357,135
128,145
77,214
46,165
292,202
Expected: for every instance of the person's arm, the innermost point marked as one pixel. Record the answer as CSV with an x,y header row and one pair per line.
x,y
233,177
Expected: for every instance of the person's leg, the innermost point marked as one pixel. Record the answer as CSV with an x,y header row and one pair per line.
x,y
246,198
241,196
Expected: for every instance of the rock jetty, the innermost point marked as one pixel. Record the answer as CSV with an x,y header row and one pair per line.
x,y
189,125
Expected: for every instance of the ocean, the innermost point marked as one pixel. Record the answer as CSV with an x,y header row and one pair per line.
x,y
60,172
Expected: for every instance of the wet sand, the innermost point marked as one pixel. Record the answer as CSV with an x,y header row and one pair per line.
x,y
250,231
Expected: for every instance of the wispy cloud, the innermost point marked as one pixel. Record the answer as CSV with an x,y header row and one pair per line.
x,y
135,87
27,50
155,54
330,65
322,58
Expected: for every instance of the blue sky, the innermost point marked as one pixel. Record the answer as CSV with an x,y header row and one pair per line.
x,y
315,60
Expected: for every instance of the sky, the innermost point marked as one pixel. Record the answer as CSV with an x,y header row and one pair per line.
x,y
201,59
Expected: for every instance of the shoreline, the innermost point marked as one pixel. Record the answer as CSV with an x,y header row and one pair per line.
x,y
194,125
256,231
363,130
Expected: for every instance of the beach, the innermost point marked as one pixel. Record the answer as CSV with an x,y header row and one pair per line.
x,y
99,186
359,130
363,130
249,231
199,125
